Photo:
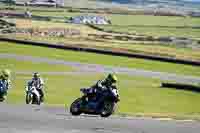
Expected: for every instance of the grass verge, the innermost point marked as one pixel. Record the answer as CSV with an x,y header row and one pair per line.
x,y
24,66
138,98
99,59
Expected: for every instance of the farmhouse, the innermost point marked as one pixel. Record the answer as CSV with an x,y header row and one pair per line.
x,y
195,14
48,3
89,20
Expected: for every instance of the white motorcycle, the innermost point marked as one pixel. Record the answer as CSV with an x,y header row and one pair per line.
x,y
32,95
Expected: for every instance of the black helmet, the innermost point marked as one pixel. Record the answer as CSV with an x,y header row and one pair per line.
x,y
36,75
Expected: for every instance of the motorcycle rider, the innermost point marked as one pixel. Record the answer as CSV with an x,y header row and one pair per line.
x,y
38,82
5,81
106,83
101,85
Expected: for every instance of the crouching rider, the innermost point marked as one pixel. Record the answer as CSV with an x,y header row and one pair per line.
x,y
101,86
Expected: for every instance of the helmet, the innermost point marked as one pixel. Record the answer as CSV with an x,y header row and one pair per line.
x,y
5,74
111,78
36,75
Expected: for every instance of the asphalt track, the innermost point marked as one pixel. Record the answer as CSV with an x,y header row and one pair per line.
x,y
95,68
44,119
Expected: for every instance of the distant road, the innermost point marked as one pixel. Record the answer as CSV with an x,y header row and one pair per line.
x,y
101,51
95,68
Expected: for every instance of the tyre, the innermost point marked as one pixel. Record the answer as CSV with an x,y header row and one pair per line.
x,y
35,100
38,102
75,107
2,97
29,98
108,109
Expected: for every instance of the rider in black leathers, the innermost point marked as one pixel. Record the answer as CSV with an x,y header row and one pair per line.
x,y
100,86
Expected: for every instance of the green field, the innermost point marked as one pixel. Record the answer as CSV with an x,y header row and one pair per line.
x,y
83,39
137,47
144,24
127,20
155,25
148,20
141,24
139,95
156,31
24,23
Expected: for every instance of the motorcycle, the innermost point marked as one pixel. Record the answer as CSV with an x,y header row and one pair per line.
x,y
2,92
103,103
32,95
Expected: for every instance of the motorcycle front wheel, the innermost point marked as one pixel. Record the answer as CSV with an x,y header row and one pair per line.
x,y
75,107
36,100
28,99
2,99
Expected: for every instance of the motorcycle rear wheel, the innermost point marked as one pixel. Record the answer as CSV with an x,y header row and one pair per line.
x,y
108,109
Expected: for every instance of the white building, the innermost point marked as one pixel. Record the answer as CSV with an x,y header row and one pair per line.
x,y
89,20
55,3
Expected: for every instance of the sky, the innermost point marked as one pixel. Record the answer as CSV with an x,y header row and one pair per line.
x,y
192,0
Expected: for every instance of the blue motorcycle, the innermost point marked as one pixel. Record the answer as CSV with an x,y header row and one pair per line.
x,y
99,103
3,91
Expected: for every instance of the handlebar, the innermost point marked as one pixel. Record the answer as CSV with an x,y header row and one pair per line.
x,y
30,88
